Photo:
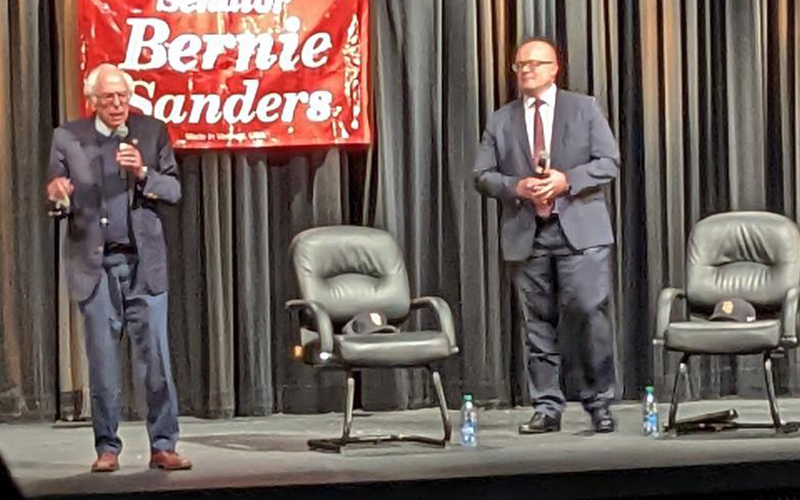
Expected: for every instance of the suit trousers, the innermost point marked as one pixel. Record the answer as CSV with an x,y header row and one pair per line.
x,y
556,283
116,305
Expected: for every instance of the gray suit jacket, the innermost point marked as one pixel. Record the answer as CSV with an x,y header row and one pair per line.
x,y
582,146
75,154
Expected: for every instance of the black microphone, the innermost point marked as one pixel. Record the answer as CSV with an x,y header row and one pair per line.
x,y
542,163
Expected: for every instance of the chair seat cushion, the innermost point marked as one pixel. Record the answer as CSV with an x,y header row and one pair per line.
x,y
723,337
383,350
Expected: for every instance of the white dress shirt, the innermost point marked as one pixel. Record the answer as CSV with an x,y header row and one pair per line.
x,y
547,111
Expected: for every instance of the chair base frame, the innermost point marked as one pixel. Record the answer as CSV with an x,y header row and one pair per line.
x,y
724,420
338,444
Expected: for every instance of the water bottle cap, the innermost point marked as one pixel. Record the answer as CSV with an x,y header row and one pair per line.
x,y
467,397
649,389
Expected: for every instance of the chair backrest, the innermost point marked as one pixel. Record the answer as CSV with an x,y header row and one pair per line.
x,y
351,269
750,255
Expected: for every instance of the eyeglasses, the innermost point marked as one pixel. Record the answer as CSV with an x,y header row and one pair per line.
x,y
123,97
525,66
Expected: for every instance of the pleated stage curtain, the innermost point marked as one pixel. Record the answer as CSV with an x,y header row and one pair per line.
x,y
702,96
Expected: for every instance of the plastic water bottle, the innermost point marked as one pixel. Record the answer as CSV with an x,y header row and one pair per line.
x,y
469,423
650,413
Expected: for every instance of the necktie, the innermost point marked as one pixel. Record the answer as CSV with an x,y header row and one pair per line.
x,y
538,132
543,211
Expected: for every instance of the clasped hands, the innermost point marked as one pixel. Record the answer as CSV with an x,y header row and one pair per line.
x,y
543,190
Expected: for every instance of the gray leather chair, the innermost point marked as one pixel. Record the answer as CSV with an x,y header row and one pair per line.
x,y
750,255
345,270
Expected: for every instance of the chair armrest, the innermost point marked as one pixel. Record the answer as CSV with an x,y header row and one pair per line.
x,y
443,316
664,312
789,317
322,322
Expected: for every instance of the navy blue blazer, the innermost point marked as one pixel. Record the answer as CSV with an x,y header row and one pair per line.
x,y
582,146
75,154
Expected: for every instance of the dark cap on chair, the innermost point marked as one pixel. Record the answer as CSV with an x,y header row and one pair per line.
x,y
368,322
733,310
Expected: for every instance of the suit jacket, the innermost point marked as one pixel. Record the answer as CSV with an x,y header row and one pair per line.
x,y
75,154
582,146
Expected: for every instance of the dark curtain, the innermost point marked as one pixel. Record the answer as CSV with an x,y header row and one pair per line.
x,y
229,263
718,131
27,286
702,95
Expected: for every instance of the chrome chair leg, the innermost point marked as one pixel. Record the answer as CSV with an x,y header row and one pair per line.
x,y
673,407
338,444
437,383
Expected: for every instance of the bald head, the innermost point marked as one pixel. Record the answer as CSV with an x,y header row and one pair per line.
x,y
542,43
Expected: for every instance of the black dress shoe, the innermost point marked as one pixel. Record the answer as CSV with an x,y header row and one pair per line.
x,y
603,421
541,423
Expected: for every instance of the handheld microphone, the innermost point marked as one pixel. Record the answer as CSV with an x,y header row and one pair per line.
x,y
121,133
542,163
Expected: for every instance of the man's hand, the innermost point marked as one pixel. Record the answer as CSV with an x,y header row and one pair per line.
x,y
551,186
59,189
130,160
524,189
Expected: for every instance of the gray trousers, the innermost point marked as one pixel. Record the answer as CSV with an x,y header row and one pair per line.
x,y
118,304
558,282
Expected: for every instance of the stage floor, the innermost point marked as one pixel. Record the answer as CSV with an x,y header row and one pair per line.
x,y
263,453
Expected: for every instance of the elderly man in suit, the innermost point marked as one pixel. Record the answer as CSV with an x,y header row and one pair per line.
x,y
108,174
546,157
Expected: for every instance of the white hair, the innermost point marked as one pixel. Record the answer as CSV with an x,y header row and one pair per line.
x,y
90,82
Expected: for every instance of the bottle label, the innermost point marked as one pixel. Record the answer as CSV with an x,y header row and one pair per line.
x,y
651,424
468,436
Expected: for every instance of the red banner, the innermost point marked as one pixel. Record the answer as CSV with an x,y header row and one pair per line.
x,y
238,73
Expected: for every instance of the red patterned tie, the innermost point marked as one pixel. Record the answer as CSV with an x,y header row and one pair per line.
x,y
543,211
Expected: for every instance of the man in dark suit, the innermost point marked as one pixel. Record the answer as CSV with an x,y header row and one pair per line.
x,y
108,175
545,157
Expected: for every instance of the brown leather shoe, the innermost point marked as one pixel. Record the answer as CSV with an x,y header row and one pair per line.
x,y
106,462
168,460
